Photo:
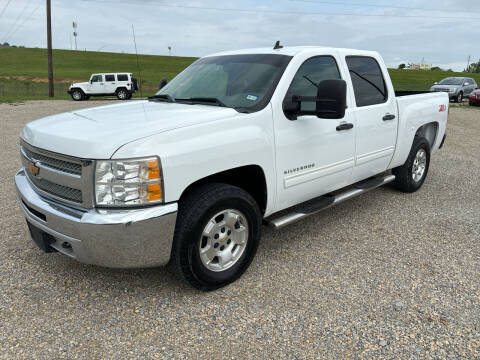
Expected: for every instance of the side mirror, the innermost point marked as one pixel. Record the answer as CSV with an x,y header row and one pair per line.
x,y
331,101
163,82
91,81
466,84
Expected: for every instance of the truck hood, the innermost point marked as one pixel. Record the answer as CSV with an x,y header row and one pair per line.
x,y
96,133
80,84
445,86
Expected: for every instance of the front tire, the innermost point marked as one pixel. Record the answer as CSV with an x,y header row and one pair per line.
x,y
459,98
77,95
410,176
216,235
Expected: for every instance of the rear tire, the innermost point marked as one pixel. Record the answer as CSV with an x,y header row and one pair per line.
x,y
410,176
216,235
78,95
122,94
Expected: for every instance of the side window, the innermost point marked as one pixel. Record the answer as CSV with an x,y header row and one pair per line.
x,y
312,72
368,82
110,78
122,77
97,78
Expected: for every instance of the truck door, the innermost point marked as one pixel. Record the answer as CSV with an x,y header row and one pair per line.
x,y
110,84
313,156
376,116
97,85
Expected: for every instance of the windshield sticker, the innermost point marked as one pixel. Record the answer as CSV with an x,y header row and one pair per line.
x,y
252,97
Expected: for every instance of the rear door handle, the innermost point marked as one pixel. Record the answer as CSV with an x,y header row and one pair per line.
x,y
388,117
344,126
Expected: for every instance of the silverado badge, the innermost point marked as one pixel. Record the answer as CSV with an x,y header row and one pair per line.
x,y
34,169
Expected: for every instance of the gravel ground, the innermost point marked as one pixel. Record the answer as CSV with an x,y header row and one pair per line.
x,y
386,275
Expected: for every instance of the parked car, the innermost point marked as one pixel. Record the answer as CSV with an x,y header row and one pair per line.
x,y
474,98
456,87
236,139
122,85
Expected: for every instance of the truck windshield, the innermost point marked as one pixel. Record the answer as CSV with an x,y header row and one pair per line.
x,y
451,81
243,82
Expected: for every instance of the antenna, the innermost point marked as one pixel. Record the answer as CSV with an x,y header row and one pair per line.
x,y
138,65
277,46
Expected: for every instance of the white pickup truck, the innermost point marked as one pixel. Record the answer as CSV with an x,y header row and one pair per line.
x,y
188,176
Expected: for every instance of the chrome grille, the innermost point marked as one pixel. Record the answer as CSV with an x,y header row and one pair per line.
x,y
63,178
60,191
57,164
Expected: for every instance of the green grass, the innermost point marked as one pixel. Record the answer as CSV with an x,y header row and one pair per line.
x,y
23,71
422,80
25,67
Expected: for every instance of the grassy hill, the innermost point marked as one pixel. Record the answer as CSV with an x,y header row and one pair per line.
x,y
23,71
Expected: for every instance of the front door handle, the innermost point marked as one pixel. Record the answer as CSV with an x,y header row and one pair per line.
x,y
344,126
389,117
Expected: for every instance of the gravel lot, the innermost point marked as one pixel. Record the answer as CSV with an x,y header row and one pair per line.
x,y
386,275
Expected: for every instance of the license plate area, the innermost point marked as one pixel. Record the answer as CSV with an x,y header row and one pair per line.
x,y
41,238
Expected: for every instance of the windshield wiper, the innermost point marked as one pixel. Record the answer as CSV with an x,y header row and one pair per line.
x,y
204,100
162,97
370,82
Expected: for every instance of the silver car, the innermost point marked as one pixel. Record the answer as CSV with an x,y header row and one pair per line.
x,y
457,87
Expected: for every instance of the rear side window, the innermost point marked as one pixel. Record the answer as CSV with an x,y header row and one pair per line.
x,y
109,77
312,72
368,82
122,77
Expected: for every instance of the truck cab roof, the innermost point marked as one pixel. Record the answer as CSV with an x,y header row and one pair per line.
x,y
296,50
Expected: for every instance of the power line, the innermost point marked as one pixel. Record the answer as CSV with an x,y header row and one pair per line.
x,y
5,7
380,6
262,11
18,18
25,20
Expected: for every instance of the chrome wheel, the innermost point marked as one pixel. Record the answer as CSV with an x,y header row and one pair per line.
x,y
460,98
223,240
419,165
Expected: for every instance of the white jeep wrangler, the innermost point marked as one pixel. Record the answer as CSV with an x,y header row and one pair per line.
x,y
123,85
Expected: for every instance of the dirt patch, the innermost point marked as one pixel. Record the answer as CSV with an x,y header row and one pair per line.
x,y
40,79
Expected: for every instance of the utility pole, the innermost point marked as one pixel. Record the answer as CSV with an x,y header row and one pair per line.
x,y
49,50
75,33
468,62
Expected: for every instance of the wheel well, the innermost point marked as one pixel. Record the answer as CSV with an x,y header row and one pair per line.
x,y
428,131
250,178
121,87
77,88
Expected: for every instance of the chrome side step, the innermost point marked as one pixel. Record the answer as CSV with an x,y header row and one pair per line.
x,y
314,206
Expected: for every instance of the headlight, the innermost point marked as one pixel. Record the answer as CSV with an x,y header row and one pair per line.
x,y
128,182
452,90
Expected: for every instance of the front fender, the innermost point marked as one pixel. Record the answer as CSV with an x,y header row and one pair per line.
x,y
193,153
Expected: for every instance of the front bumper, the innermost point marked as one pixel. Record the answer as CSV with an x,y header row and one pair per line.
x,y
135,238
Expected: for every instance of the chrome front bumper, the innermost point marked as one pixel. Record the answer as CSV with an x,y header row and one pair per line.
x,y
134,238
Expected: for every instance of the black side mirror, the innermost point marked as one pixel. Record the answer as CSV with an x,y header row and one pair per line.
x,y
163,82
331,101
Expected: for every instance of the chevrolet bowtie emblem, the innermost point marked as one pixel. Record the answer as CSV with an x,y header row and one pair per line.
x,y
34,170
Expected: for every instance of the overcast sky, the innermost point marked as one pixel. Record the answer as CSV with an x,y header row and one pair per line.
x,y
194,28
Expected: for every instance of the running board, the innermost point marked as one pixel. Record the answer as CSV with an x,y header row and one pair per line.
x,y
314,206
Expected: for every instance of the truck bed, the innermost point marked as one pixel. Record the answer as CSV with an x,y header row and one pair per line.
x,y
409,92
